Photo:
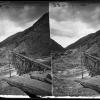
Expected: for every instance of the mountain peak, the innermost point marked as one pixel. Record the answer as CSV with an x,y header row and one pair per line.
x,y
33,41
42,23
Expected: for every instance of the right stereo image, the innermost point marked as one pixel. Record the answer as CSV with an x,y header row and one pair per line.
x,y
75,30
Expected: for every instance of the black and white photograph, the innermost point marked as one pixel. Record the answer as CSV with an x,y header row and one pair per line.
x,y
75,26
25,61
49,49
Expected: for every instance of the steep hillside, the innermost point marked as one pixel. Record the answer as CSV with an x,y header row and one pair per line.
x,y
55,47
86,40
89,43
33,41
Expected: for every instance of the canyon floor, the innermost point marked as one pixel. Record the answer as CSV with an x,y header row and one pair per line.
x,y
65,71
6,89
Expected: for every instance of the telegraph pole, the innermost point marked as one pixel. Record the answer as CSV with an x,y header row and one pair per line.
x,y
81,61
9,63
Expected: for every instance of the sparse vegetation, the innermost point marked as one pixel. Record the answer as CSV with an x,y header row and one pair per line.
x,y
66,68
64,87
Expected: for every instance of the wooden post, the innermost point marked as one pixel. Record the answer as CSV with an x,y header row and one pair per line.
x,y
81,61
9,64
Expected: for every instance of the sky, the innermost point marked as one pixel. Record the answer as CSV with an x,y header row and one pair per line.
x,y
68,21
71,21
16,16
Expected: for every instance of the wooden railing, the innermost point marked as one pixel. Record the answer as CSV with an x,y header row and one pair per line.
x,y
92,63
24,64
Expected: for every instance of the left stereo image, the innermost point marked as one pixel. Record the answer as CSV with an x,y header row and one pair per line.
x,y
25,61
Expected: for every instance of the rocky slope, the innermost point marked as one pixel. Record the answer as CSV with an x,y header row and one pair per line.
x,y
33,42
89,44
55,47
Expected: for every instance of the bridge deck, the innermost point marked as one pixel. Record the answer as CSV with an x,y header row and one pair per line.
x,y
94,57
35,61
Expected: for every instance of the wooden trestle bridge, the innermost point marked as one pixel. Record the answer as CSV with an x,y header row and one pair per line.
x,y
23,65
92,64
